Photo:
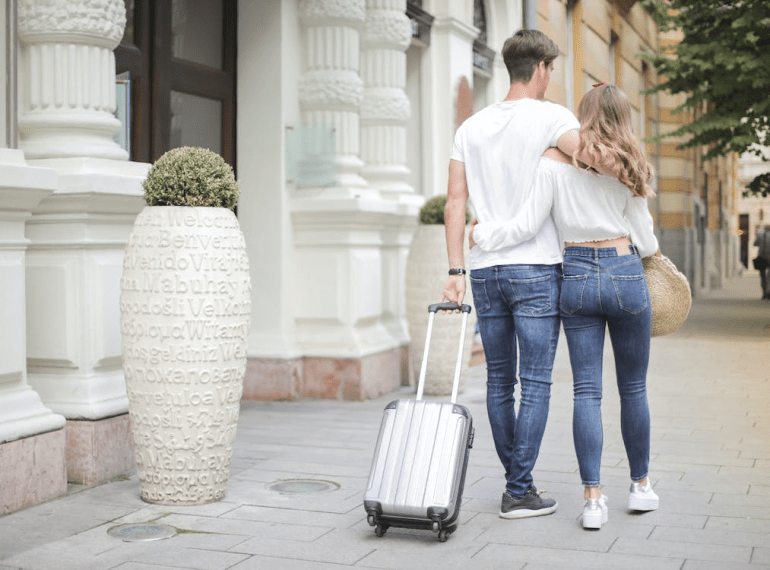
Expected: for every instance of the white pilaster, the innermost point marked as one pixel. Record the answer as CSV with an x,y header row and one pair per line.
x,y
74,263
330,90
77,234
384,115
22,413
67,77
337,231
267,97
451,54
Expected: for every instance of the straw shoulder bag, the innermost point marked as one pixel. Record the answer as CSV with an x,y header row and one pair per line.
x,y
670,294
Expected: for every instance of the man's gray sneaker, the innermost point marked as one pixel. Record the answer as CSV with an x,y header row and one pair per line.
x,y
530,505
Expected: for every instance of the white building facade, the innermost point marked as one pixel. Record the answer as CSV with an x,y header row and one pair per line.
x,y
338,117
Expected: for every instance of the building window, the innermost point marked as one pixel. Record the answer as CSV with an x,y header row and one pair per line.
x,y
421,22
483,56
180,58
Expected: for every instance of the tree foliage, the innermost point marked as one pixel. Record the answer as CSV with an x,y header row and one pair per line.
x,y
722,66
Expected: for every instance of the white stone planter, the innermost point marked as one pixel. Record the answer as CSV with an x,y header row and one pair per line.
x,y
426,273
185,311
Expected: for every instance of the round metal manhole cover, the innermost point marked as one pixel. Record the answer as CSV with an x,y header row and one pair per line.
x,y
303,486
142,532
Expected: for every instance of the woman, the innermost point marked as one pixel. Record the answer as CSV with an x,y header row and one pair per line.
x,y
607,229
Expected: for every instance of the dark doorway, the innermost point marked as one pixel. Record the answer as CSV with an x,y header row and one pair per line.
x,y
180,56
743,222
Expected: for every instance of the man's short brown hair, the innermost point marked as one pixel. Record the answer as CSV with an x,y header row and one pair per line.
x,y
524,51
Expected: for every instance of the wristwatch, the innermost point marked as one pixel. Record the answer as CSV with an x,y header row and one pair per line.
x,y
457,271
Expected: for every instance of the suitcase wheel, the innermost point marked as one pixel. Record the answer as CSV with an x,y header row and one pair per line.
x,y
442,535
436,526
371,520
380,529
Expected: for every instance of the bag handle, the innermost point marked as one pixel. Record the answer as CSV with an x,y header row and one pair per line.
x,y
432,310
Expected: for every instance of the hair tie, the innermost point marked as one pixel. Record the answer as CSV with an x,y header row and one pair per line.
x,y
599,84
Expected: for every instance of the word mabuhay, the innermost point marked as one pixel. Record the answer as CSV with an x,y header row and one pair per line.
x,y
176,284
183,477
175,260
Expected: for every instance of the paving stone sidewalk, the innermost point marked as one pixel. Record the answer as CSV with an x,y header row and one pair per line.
x,y
709,387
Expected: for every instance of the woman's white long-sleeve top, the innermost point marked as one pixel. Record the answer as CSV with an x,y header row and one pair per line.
x,y
585,206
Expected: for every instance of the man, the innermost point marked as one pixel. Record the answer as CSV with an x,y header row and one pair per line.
x,y
516,289
762,261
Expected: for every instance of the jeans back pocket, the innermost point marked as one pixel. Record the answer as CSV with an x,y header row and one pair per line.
x,y
532,296
572,287
480,297
631,291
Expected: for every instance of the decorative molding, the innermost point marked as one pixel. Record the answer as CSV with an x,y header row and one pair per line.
x,y
386,28
457,27
320,12
420,21
67,78
384,103
96,22
483,58
331,89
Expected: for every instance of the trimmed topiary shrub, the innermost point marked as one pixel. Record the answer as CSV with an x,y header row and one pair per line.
x,y
432,212
191,176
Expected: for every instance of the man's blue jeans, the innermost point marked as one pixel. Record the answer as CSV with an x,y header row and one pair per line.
x,y
518,303
603,290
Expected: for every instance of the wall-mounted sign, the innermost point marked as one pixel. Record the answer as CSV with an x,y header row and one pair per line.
x,y
310,151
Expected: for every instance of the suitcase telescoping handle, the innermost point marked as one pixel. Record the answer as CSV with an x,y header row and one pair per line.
x,y
432,310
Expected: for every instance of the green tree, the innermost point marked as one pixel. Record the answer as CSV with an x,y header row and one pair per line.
x,y
723,61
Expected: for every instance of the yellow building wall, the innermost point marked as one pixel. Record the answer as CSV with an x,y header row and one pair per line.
x,y
599,41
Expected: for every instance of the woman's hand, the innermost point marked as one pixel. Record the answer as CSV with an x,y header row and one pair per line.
x,y
471,243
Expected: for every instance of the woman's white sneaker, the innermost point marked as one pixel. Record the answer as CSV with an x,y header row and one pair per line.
x,y
595,512
642,498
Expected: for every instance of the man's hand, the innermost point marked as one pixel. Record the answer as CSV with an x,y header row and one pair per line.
x,y
471,243
454,289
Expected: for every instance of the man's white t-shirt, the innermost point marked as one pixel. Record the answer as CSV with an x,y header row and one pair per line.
x,y
501,147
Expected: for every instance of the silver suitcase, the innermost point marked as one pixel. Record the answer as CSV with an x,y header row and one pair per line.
x,y
418,471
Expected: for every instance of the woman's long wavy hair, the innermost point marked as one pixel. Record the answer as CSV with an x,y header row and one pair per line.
x,y
605,133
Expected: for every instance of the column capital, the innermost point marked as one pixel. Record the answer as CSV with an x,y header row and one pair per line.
x,y
386,29
325,12
93,22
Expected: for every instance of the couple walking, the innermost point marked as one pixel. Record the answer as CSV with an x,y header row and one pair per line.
x,y
513,161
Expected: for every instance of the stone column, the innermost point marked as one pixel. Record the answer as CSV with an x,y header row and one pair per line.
x,y
330,90
337,261
78,233
67,99
31,438
385,106
384,115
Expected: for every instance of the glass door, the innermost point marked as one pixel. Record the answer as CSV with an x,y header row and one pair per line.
x,y
180,56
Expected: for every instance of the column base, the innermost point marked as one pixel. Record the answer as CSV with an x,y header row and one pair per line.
x,y
324,377
33,471
100,450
